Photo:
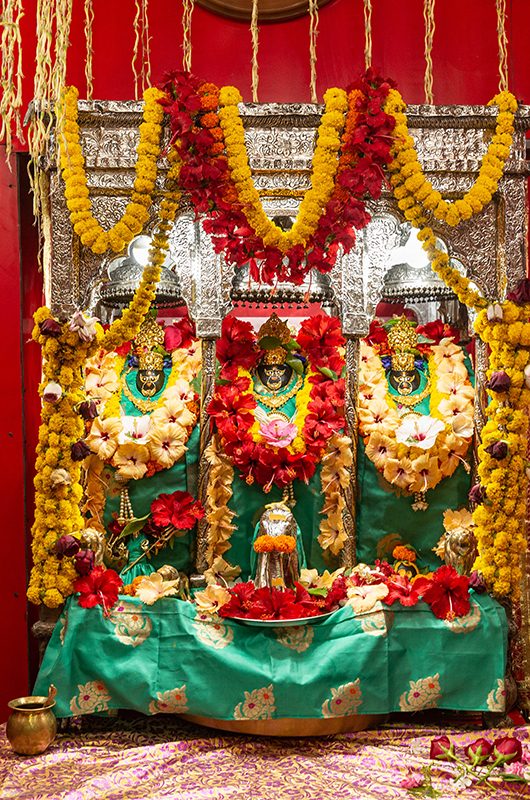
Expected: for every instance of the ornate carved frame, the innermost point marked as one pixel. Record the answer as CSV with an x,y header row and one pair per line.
x,y
450,141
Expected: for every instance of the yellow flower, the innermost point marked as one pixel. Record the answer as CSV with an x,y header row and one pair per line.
x,y
131,460
211,599
167,444
103,437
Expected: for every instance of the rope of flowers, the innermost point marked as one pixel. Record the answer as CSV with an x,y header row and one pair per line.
x,y
407,171
416,196
415,452
218,514
77,194
66,348
324,168
334,478
215,175
500,496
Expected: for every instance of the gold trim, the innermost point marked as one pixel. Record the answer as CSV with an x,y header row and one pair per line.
x,y
411,400
280,400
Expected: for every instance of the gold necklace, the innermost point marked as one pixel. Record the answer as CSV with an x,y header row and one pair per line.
x,y
277,401
145,406
411,400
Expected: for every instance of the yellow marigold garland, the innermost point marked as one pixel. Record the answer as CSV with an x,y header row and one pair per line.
x,y
72,165
57,510
500,517
407,172
417,198
325,165
57,507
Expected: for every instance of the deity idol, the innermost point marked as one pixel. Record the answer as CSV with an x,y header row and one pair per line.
x,y
279,417
416,423
143,439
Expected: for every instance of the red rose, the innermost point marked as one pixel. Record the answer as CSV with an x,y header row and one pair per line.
x,y
507,748
479,751
100,587
442,749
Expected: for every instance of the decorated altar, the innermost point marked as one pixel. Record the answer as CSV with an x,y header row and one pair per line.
x,y
251,513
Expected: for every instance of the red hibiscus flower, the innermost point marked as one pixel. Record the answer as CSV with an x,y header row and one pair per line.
x,y
236,347
400,588
335,594
318,335
438,330
99,588
240,601
178,509
378,337
446,592
180,334
124,349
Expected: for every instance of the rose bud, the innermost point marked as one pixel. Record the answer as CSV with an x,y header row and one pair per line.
x,y
476,582
499,382
413,781
498,450
84,562
442,749
521,293
507,748
66,546
479,751
476,494
88,410
52,392
50,327
79,450
494,312
60,477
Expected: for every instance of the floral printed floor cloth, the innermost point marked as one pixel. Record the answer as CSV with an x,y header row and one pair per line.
x,y
154,758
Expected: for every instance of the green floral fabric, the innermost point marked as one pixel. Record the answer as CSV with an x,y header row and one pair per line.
x,y
170,658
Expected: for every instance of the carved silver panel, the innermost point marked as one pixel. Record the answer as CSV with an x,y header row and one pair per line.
x,y
280,138
205,278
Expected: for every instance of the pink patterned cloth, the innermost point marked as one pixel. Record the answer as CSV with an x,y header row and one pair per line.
x,y
164,757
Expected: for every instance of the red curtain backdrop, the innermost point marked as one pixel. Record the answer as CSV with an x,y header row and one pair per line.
x,y
465,60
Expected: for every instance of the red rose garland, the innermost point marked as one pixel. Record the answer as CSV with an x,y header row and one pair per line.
x,y
233,405
205,176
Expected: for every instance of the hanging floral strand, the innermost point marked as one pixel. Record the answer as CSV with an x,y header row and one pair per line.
x,y
187,12
367,33
89,21
313,33
11,73
503,45
428,16
254,30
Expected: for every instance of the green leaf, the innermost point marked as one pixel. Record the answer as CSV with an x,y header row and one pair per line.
x,y
269,343
318,592
329,373
134,526
291,345
295,364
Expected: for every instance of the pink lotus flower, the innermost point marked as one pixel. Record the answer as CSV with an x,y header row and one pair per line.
x,y
278,432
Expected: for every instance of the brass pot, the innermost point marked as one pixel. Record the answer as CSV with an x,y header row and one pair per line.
x,y
32,726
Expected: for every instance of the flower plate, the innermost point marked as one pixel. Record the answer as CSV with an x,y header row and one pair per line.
x,y
282,623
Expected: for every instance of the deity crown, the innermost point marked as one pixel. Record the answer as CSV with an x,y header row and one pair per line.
x,y
150,336
403,341
275,328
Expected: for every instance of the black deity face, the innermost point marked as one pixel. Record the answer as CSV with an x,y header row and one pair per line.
x,y
405,382
275,376
150,381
